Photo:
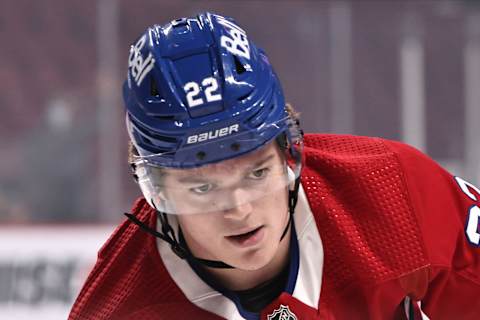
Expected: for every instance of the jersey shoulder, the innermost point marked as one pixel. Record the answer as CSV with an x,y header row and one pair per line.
x,y
128,276
356,189
443,204
382,207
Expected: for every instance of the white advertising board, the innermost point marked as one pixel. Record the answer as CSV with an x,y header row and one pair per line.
x,y
42,268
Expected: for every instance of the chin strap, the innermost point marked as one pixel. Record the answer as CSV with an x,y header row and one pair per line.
x,y
168,235
292,203
179,246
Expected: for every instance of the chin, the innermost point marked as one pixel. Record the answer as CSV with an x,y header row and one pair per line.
x,y
255,260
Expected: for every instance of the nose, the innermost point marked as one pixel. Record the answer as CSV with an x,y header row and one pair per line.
x,y
240,206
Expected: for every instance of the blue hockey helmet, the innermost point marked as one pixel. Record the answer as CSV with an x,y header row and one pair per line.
x,y
199,92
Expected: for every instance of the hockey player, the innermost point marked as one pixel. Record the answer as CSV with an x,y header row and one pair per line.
x,y
244,217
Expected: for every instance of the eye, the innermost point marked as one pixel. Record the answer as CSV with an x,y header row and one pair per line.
x,y
259,174
203,189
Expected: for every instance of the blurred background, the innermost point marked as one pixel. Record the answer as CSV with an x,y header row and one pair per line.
x,y
403,70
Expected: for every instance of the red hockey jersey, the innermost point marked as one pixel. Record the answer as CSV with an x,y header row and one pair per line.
x,y
383,233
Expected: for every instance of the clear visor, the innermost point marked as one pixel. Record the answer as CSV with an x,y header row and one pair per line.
x,y
222,186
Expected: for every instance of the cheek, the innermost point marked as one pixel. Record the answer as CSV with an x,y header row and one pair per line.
x,y
278,204
200,227
274,210
283,212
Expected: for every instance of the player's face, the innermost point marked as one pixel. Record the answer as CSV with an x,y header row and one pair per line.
x,y
246,235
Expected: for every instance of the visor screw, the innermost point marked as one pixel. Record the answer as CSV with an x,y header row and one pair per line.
x,y
201,155
235,146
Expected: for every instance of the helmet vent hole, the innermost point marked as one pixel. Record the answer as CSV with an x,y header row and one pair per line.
x,y
245,96
154,92
238,65
179,22
201,155
235,146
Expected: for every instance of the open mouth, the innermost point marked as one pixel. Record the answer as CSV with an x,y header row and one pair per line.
x,y
248,238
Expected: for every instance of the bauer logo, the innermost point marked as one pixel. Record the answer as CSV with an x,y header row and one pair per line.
x,y
214,134
140,67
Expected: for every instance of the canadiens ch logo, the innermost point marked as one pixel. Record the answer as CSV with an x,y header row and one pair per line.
x,y
282,313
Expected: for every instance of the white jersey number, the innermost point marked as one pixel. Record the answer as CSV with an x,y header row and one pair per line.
x,y
192,89
471,229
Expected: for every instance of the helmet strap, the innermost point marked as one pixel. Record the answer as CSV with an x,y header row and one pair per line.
x,y
168,235
292,203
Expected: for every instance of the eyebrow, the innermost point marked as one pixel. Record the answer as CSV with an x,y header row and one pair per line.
x,y
258,163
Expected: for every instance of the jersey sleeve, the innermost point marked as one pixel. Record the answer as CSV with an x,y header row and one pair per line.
x,y
447,210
